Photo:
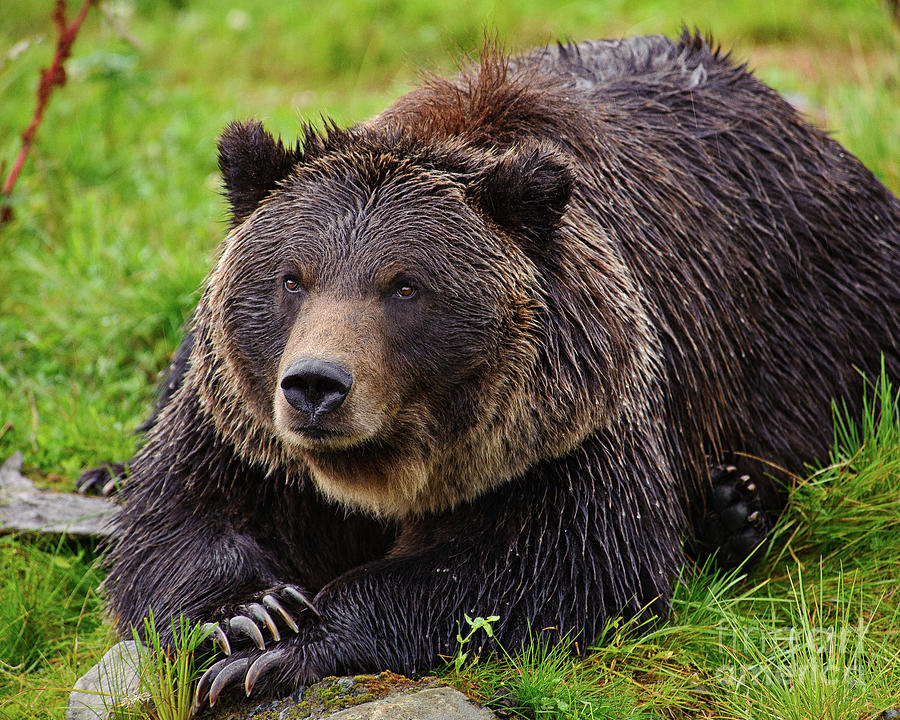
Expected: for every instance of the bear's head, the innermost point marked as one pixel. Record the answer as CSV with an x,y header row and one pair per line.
x,y
387,312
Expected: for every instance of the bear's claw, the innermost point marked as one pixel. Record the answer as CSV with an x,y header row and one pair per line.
x,y
298,597
261,615
218,636
282,603
271,602
104,480
260,666
201,694
233,670
245,626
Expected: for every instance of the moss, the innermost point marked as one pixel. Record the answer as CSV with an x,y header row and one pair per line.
x,y
332,694
338,695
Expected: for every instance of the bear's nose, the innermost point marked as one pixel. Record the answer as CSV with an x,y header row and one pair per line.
x,y
315,386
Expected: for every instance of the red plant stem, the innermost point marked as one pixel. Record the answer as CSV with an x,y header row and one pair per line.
x,y
54,75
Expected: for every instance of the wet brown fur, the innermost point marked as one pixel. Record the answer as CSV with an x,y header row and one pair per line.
x,y
636,261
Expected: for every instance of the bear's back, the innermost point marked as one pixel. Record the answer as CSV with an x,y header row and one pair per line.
x,y
593,64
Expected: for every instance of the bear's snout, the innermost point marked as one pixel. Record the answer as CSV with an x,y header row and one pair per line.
x,y
315,386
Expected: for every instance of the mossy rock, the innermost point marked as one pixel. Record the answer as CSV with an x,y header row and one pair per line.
x,y
324,698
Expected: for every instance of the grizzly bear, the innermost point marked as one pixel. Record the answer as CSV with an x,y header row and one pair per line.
x,y
488,352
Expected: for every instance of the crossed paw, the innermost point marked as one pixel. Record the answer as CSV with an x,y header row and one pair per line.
x,y
271,614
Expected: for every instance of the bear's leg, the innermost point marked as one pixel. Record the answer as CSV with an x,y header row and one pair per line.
x,y
106,479
204,534
735,522
334,541
170,556
567,547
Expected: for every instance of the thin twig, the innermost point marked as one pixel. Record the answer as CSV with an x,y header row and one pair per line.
x,y
51,77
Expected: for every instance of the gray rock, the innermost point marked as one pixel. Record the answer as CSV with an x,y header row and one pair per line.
x,y
25,509
433,704
114,681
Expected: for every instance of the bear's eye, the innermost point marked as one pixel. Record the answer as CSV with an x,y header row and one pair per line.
x,y
292,285
405,291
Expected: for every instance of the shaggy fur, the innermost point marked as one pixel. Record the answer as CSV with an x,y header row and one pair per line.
x,y
628,260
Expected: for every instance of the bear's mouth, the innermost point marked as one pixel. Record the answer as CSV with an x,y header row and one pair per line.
x,y
334,431
316,433
309,438
362,462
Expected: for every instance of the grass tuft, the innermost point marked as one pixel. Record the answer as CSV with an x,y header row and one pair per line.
x,y
167,676
546,679
51,627
850,508
823,662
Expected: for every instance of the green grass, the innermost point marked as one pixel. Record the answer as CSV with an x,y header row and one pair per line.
x,y
118,215
51,626
45,593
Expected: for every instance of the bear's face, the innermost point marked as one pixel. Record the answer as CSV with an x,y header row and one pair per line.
x,y
377,319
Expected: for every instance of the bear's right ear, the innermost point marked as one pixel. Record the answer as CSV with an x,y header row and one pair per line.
x,y
252,164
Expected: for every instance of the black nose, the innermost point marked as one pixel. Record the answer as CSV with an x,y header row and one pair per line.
x,y
315,386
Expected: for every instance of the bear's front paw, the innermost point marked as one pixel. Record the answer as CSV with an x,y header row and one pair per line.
x,y
735,523
103,480
289,664
274,610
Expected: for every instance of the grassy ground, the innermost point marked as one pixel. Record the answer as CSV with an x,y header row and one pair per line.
x,y
117,216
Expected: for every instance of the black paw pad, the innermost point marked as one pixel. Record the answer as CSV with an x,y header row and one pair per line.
x,y
735,522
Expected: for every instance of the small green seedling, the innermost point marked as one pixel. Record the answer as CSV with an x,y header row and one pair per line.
x,y
475,624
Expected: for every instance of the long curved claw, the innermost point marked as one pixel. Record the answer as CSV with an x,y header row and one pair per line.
x,y
201,694
234,671
300,598
243,624
271,602
260,666
261,615
111,487
87,483
218,636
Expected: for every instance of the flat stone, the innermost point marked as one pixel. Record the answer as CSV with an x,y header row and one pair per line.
x,y
112,682
25,509
442,703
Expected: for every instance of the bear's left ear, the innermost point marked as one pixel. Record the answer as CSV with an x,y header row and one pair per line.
x,y
526,191
252,164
